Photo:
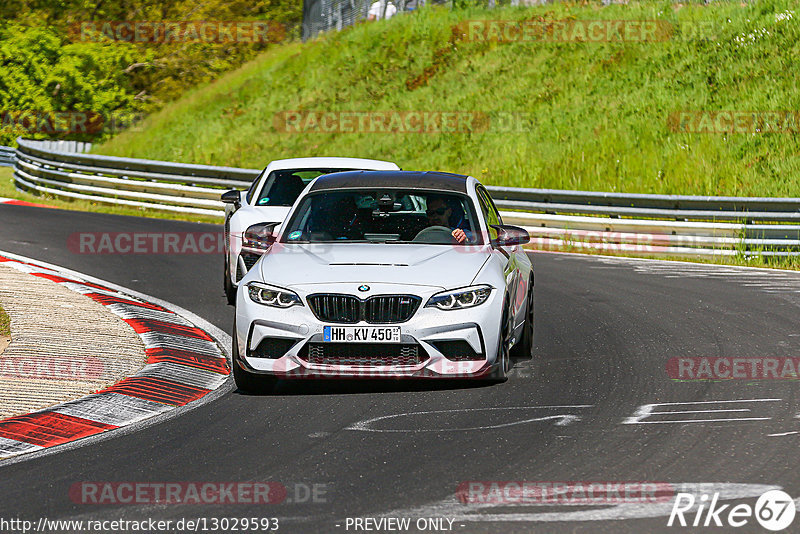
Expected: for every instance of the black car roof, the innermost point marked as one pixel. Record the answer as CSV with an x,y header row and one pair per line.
x,y
440,181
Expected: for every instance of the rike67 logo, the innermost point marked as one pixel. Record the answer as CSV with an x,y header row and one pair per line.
x,y
774,510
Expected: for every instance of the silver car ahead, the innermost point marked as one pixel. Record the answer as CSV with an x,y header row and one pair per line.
x,y
259,210
386,274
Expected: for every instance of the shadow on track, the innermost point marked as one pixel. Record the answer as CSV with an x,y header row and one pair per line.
x,y
332,386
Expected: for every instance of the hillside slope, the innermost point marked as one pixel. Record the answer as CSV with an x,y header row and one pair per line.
x,y
590,115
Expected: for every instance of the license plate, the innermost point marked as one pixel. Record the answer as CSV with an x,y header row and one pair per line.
x,y
361,334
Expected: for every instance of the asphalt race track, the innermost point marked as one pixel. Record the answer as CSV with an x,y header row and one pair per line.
x,y
605,330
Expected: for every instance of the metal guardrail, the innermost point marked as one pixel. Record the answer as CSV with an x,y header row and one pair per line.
x,y
661,225
650,206
7,156
163,185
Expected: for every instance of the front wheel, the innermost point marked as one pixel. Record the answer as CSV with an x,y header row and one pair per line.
x,y
230,289
524,349
246,381
503,359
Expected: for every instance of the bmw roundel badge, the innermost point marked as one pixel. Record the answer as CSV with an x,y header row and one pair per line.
x,y
363,287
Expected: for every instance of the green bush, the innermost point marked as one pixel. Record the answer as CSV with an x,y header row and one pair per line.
x,y
42,73
45,67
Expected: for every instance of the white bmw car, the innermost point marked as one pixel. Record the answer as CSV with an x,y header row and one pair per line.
x,y
386,274
268,200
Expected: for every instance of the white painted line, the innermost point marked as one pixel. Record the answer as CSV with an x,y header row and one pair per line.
x,y
782,434
560,419
700,411
646,411
711,402
688,421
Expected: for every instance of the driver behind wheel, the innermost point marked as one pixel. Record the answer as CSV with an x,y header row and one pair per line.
x,y
440,213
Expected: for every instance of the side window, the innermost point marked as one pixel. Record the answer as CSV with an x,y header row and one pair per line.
x,y
252,190
487,214
495,215
489,211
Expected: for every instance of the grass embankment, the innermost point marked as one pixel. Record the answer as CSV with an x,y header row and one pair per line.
x,y
598,113
594,116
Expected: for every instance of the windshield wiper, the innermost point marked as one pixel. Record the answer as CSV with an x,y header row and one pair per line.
x,y
381,238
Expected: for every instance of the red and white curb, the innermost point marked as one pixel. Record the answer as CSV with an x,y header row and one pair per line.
x,y
16,202
186,363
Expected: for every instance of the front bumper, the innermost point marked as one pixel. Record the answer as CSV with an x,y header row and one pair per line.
x,y
479,327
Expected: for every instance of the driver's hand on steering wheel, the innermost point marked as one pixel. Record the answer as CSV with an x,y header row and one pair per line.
x,y
459,235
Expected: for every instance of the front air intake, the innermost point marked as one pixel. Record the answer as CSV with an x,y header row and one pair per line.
x,y
380,309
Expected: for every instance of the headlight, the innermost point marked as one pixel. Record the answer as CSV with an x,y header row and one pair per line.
x,y
272,296
459,299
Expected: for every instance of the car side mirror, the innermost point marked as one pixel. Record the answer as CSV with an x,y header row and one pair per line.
x,y
259,237
232,197
508,236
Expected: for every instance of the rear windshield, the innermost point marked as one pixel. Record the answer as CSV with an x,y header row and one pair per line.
x,y
283,187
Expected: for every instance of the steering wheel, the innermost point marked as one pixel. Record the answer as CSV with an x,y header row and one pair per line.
x,y
435,234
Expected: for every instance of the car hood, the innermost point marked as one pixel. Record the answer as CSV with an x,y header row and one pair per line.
x,y
441,266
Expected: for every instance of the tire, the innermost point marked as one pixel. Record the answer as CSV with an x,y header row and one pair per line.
x,y
246,381
523,350
230,289
500,372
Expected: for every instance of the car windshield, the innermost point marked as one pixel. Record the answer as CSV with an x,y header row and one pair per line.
x,y
284,186
381,216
